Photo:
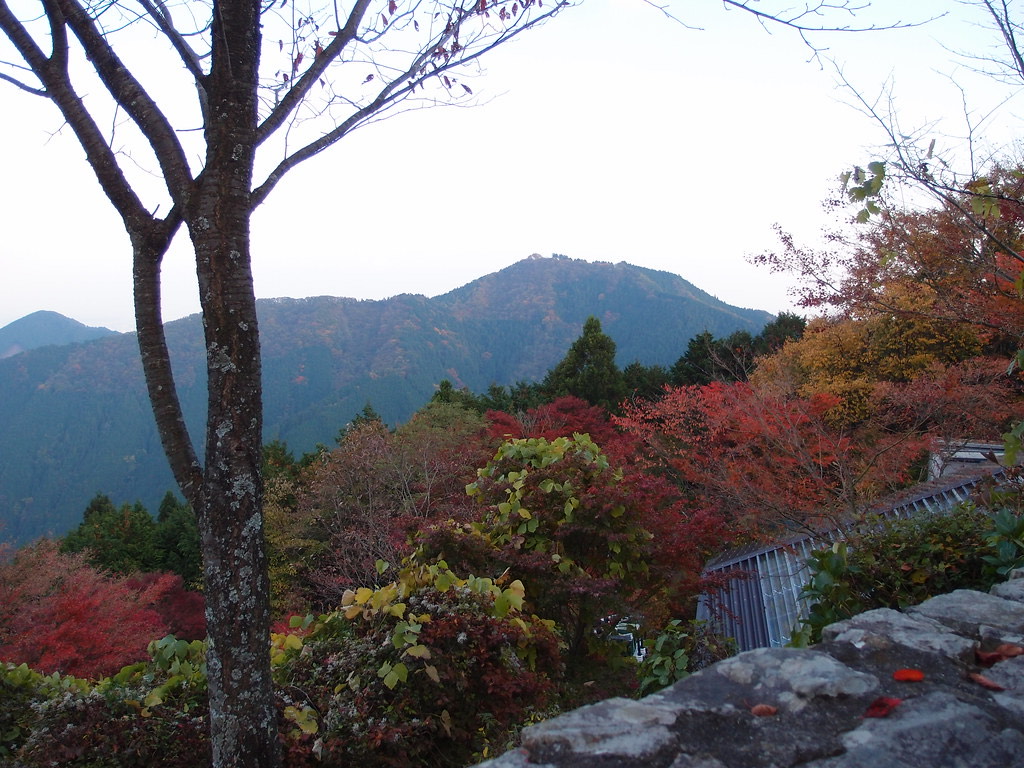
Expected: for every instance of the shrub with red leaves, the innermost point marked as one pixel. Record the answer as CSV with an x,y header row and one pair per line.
x,y
59,614
182,610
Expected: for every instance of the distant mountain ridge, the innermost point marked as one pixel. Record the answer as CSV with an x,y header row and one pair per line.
x,y
45,328
76,419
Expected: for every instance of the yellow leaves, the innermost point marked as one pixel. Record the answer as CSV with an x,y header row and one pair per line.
x,y
381,605
517,588
369,602
446,721
356,598
393,674
304,718
280,645
509,599
418,652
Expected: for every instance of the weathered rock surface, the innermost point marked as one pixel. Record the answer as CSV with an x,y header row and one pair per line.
x,y
962,714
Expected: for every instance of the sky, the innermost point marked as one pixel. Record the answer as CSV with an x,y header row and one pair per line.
x,y
610,134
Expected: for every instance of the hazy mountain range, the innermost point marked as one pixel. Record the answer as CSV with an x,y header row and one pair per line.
x,y
75,419
43,329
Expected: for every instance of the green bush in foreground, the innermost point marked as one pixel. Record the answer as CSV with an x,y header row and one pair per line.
x,y
896,563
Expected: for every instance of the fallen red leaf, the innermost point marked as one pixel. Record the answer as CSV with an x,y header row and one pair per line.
x,y
984,682
763,710
908,675
882,706
988,658
1009,650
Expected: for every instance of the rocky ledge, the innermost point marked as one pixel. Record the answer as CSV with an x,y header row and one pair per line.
x,y
937,685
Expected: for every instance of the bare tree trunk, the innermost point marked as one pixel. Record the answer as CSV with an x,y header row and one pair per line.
x,y
243,722
230,505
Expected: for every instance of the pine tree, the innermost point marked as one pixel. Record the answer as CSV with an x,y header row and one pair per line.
x,y
588,370
117,540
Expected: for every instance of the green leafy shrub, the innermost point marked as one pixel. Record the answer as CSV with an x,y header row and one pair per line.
x,y
896,563
431,669
151,714
829,592
679,649
22,690
563,519
1006,539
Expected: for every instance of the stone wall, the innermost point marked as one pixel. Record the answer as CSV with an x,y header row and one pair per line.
x,y
840,704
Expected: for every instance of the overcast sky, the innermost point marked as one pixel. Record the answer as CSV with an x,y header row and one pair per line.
x,y
611,134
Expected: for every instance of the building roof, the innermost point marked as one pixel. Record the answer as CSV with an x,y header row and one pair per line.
x,y
760,607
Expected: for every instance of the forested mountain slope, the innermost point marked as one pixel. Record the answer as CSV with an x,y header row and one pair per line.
x,y
76,419
44,328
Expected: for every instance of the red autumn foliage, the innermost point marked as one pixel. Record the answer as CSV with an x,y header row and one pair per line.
x,y
987,658
560,418
971,275
59,614
181,610
763,460
1009,650
972,399
684,536
1001,653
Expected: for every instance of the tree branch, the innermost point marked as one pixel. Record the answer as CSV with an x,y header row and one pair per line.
x,y
24,86
129,94
913,166
400,87
161,16
148,249
1005,26
799,19
53,74
300,87
795,19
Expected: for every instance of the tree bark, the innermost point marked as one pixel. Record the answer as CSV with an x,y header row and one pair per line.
x,y
243,722
148,249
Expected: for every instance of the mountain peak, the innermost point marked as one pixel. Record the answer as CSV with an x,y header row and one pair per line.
x,y
77,419
43,329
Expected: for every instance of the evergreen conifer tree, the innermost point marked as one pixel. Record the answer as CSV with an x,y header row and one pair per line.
x,y
588,370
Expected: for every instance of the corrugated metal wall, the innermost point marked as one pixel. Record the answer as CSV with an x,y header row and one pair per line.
x,y
760,606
